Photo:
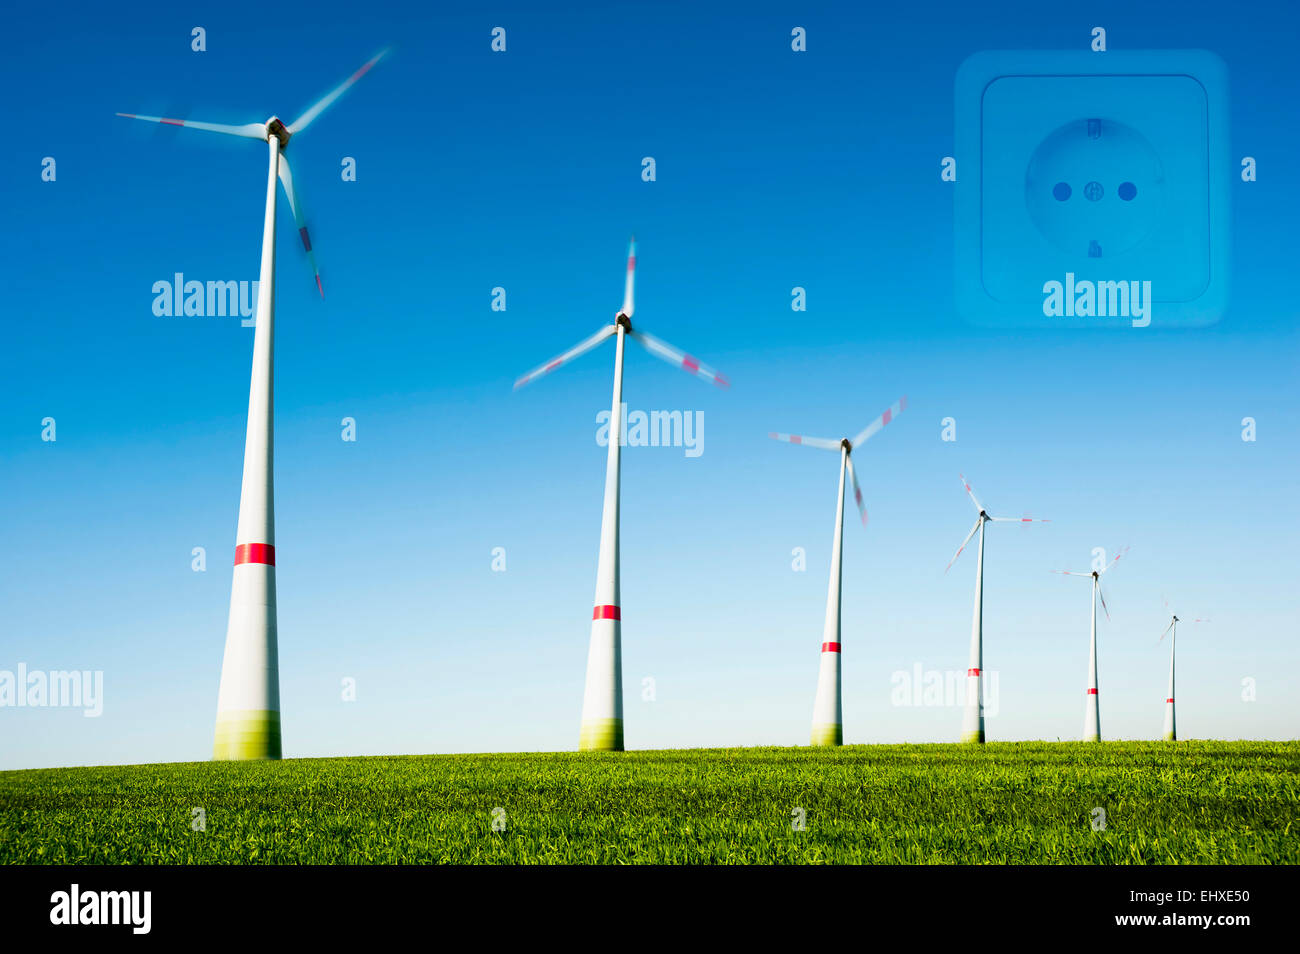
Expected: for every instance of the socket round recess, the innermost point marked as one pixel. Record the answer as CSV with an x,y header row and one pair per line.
x,y
1095,187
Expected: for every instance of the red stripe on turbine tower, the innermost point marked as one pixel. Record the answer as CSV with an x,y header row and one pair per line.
x,y
607,612
1092,692
972,672
255,553
830,647
1169,700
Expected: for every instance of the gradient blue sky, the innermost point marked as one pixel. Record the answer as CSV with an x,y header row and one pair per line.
x,y
522,170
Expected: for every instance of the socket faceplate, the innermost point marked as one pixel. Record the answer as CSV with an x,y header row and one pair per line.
x,y
1107,167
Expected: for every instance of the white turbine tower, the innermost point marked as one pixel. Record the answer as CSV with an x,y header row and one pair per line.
x,y
602,701
828,713
248,702
1091,704
972,727
1171,730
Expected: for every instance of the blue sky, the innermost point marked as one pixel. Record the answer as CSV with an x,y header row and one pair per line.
x,y
522,170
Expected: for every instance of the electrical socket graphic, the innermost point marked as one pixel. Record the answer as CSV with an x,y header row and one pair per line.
x,y
1092,188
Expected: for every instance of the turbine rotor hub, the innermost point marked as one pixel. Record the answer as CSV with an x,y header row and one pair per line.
x,y
624,320
276,128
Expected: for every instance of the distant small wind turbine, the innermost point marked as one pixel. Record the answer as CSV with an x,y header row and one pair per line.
x,y
972,726
248,702
602,701
1171,731
1092,708
828,713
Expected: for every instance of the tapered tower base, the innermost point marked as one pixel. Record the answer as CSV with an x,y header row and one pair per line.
x,y
828,735
601,735
247,734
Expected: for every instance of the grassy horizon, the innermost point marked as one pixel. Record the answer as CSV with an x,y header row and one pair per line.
x,y
1201,802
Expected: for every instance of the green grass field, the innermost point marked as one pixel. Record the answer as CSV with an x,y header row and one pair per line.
x,y
1189,802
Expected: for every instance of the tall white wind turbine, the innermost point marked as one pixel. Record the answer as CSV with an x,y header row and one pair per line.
x,y
1091,704
828,710
972,726
248,702
1171,730
602,701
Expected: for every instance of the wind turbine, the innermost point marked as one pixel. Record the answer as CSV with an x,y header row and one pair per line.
x,y
828,712
1092,708
1171,731
972,726
602,701
248,702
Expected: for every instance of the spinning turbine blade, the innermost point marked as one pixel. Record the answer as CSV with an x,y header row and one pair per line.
x,y
857,491
1102,594
1166,632
1071,573
628,304
303,121
890,413
1021,520
963,545
975,500
822,442
576,351
249,131
286,180
661,349
1119,553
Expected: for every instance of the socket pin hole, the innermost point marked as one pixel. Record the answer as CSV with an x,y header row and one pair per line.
x,y
1127,191
1061,191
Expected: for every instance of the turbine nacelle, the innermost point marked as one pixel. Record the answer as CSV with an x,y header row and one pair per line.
x,y
275,127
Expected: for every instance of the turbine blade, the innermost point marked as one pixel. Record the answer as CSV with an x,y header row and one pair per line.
x,y
249,131
1102,594
662,349
295,206
890,413
1118,554
1071,573
1020,520
963,544
303,121
628,304
857,491
973,499
576,351
822,442
1166,632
